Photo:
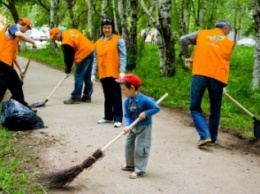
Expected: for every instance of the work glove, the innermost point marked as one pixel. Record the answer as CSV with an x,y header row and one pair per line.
x,y
67,70
22,74
34,46
188,63
93,79
121,75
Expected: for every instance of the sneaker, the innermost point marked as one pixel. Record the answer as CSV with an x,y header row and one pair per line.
x,y
103,121
86,99
117,124
215,143
72,101
203,142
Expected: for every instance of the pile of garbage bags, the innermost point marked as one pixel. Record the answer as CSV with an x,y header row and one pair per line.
x,y
15,116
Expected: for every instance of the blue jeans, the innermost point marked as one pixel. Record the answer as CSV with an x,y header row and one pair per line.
x,y
83,74
137,147
215,91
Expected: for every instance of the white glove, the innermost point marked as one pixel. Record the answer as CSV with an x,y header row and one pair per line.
x,y
121,75
34,46
22,73
188,63
93,79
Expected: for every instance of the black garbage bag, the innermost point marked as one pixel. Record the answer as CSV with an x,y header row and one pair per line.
x,y
16,116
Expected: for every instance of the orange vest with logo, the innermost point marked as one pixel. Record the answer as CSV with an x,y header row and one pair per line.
x,y
82,46
212,55
108,57
8,47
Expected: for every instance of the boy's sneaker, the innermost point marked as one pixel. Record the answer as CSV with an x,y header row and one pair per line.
x,y
86,99
117,124
72,101
204,142
103,121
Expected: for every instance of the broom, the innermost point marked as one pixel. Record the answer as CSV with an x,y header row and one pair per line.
x,y
65,177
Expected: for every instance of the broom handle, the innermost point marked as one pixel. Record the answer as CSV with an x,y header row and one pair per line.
x,y
131,126
239,105
58,85
27,65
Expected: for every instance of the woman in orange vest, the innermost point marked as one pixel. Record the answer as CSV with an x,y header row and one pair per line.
x,y
110,61
10,36
210,70
76,48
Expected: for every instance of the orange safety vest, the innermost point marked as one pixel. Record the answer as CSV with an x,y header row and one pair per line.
x,y
108,57
82,46
212,55
8,47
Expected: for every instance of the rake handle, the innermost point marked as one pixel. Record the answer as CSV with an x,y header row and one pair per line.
x,y
131,126
239,105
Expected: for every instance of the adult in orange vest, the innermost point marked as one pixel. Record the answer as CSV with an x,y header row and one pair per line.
x,y
79,50
10,36
110,61
210,70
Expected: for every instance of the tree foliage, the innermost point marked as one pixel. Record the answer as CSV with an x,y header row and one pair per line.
x,y
171,19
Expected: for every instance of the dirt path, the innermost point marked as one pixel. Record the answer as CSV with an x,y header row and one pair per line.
x,y
176,165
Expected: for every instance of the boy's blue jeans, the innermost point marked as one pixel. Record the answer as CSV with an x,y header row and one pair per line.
x,y
215,91
83,75
137,148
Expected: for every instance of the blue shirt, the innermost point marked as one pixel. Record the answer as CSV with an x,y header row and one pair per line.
x,y
11,30
134,106
122,57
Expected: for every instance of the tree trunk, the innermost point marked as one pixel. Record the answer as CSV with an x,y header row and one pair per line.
x,y
256,71
52,25
115,15
70,5
132,46
104,9
123,15
12,9
90,15
165,39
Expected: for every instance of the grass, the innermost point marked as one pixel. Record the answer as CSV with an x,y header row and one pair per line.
x,y
13,177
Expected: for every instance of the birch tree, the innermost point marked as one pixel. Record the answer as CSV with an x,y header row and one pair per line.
x,y
104,9
90,16
256,71
122,11
183,15
132,46
165,40
70,5
115,15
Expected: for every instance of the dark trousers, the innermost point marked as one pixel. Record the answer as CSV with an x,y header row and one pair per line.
x,y
9,79
113,99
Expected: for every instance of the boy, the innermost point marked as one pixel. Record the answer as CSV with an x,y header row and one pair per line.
x,y
138,140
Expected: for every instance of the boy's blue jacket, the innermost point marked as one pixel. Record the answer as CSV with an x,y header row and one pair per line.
x,y
141,103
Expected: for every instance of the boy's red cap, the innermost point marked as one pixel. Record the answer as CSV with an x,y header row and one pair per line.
x,y
131,79
53,32
27,22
